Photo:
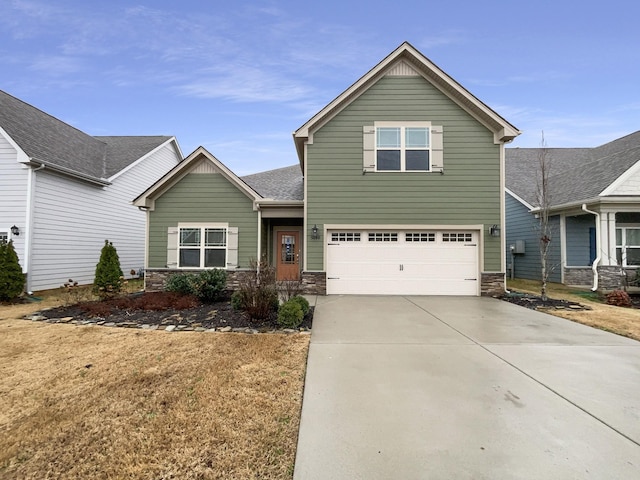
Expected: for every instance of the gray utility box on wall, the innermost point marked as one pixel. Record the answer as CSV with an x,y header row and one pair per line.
x,y
517,247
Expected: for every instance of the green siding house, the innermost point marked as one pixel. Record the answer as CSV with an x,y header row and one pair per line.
x,y
398,190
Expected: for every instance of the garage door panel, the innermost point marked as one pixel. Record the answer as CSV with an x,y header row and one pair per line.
x,y
403,268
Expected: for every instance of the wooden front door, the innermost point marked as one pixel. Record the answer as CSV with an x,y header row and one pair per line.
x,y
288,255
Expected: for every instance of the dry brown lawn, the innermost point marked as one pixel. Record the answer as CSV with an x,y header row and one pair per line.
x,y
623,321
110,403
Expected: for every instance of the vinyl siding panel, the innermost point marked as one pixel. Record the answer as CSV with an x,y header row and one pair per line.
x,y
467,193
73,219
206,198
578,247
522,225
14,179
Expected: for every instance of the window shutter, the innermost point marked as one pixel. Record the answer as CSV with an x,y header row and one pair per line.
x,y
172,247
232,247
437,160
368,149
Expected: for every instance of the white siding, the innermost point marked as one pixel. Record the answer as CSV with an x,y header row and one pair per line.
x,y
73,219
14,179
630,186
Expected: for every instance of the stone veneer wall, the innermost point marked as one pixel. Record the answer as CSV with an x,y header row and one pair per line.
x,y
155,278
609,277
314,283
492,284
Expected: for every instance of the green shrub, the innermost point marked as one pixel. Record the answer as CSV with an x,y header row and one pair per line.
x,y
300,300
210,284
207,285
11,276
290,315
237,300
179,283
108,280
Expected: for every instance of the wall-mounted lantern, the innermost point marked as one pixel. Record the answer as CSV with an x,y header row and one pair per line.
x,y
314,233
494,231
15,231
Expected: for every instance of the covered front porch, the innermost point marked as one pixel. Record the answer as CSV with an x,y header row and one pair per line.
x,y
600,246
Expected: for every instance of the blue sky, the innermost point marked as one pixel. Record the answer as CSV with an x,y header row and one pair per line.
x,y
238,77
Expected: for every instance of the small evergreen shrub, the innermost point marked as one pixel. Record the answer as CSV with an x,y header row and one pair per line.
x,y
290,315
11,277
237,300
208,285
304,304
108,280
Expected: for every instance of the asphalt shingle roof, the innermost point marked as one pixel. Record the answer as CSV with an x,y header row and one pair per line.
x,y
280,184
576,174
46,139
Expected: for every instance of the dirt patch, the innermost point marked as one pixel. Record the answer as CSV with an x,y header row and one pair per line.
x,y
536,302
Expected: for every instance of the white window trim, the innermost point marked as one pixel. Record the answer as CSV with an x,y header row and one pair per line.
x,y
202,246
623,246
403,126
7,231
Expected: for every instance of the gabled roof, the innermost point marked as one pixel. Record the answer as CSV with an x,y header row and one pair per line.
x,y
503,130
284,183
147,198
52,142
576,175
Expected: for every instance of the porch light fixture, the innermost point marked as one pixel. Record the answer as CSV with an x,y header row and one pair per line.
x,y
494,231
15,230
314,233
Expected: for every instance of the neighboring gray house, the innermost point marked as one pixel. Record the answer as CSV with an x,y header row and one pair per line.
x,y
595,207
398,191
63,193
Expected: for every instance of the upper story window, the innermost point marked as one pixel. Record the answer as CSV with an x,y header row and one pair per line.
x,y
202,247
409,146
402,148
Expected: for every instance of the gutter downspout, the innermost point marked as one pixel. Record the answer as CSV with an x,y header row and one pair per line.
x,y
259,257
594,267
29,222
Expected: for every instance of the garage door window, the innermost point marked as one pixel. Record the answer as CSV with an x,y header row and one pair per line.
x,y
420,237
457,237
345,237
383,237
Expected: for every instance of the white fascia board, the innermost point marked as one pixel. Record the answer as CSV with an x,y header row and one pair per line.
x,y
631,171
22,157
146,199
519,199
145,156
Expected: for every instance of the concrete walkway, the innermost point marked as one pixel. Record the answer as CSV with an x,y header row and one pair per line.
x,y
465,388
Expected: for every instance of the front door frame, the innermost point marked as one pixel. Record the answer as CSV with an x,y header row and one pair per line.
x,y
280,229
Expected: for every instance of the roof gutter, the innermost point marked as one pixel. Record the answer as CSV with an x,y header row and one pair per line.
x,y
67,171
594,267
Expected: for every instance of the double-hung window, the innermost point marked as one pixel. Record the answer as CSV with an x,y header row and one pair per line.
x,y
628,246
403,148
202,247
4,236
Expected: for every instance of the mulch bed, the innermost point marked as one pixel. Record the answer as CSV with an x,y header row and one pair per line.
x,y
535,302
162,309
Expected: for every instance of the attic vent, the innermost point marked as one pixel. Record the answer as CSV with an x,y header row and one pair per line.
x,y
402,69
203,166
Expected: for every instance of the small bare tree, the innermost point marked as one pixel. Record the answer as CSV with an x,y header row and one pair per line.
x,y
543,198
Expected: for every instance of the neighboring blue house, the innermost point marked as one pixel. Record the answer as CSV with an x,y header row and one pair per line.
x,y
595,213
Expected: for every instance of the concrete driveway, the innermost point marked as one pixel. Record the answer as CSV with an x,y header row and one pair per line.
x,y
465,388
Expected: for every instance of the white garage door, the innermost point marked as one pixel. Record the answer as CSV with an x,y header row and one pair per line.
x,y
416,262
